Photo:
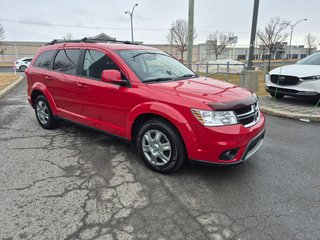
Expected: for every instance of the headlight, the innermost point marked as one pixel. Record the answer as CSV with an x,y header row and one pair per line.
x,y
267,76
316,77
215,118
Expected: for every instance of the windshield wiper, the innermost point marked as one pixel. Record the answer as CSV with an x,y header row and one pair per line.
x,y
171,73
154,53
189,75
170,78
158,79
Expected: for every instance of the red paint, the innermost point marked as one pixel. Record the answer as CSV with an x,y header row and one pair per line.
x,y
113,107
111,76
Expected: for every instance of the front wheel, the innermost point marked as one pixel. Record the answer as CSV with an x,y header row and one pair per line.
x,y
160,146
44,113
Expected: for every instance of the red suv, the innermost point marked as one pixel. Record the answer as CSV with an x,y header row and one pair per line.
x,y
145,96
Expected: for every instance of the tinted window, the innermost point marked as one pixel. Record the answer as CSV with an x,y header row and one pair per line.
x,y
66,61
44,59
95,62
28,60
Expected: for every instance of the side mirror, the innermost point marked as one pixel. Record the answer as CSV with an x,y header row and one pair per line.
x,y
111,76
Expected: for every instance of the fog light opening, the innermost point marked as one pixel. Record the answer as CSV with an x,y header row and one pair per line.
x,y
229,154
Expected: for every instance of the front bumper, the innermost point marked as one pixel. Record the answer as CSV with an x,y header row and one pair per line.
x,y
291,92
212,142
304,88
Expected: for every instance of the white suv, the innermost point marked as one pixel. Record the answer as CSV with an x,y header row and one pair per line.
x,y
300,79
22,63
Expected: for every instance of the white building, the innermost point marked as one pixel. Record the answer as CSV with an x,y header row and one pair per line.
x,y
241,53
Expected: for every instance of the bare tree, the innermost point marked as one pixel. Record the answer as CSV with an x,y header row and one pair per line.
x,y
272,36
178,35
2,35
67,36
311,43
216,43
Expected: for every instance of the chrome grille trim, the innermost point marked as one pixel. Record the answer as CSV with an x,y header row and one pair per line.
x,y
254,113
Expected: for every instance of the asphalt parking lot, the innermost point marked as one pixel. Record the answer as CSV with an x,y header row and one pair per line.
x,y
74,183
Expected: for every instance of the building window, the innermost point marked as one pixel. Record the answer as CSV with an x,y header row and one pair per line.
x,y
303,55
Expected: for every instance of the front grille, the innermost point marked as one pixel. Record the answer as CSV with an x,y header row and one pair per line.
x,y
284,79
283,90
243,110
248,116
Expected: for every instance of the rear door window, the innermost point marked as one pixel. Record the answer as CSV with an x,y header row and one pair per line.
x,y
44,59
66,61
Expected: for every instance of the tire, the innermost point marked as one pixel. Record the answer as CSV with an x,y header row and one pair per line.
x,y
160,146
22,68
44,114
278,95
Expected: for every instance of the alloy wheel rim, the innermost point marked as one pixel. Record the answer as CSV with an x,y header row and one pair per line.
x,y
42,112
156,147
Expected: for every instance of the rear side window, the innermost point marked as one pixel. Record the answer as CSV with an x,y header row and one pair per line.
x,y
66,61
28,60
44,59
95,62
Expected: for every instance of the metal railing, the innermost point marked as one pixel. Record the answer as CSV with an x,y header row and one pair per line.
x,y
209,69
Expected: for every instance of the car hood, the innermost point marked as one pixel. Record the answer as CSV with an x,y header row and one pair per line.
x,y
298,70
216,93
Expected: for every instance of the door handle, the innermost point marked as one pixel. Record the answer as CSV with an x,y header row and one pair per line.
x,y
48,78
82,85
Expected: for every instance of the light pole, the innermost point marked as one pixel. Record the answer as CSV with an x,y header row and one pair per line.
x,y
253,35
131,14
292,26
190,32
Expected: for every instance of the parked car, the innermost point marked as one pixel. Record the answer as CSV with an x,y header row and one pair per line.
x,y
300,79
22,63
147,97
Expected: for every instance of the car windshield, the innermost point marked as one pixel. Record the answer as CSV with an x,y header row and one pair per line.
x,y
155,66
313,59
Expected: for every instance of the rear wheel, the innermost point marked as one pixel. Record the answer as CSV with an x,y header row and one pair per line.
x,y
22,68
160,146
278,95
44,113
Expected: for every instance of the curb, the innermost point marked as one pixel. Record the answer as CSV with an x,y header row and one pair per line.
x,y
286,114
10,87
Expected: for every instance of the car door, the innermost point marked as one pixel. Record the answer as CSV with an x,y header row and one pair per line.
x,y
62,82
104,105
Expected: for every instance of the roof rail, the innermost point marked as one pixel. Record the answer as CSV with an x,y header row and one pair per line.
x,y
88,40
